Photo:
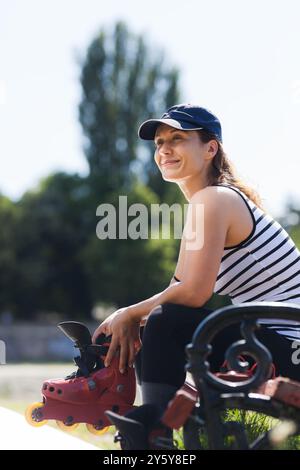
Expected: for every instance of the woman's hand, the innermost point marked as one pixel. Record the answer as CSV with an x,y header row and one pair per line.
x,y
125,331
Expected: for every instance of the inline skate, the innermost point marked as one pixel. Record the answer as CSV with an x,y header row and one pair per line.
x,y
85,395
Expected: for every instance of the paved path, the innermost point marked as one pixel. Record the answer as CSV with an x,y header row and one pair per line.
x,y
19,435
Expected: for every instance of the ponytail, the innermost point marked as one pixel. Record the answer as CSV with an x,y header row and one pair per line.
x,y
222,171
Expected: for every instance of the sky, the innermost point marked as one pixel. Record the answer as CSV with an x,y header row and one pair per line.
x,y
239,59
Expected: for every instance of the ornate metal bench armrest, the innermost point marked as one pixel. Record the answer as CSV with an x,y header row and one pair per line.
x,y
247,314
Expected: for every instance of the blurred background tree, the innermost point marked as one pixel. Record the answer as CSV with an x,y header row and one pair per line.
x,y
8,260
124,82
51,259
53,222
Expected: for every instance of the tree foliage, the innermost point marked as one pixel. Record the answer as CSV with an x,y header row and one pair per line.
x,y
123,83
50,257
53,223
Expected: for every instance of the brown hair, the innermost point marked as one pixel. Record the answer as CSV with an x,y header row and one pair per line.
x,y
222,171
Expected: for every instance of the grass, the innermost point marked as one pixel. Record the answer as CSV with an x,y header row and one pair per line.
x,y
255,425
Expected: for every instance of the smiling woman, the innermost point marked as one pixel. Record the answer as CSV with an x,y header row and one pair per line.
x,y
181,158
244,254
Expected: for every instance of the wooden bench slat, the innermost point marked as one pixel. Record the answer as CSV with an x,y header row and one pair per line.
x,y
282,389
179,409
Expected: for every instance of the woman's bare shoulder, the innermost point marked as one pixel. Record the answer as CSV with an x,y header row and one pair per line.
x,y
215,195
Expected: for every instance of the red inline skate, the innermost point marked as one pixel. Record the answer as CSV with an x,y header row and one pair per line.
x,y
87,393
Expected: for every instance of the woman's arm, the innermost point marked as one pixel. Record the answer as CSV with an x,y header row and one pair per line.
x,y
202,258
176,293
202,254
144,319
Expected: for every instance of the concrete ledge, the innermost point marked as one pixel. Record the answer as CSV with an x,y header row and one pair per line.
x,y
17,434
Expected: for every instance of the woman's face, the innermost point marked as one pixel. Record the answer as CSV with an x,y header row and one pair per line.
x,y
180,154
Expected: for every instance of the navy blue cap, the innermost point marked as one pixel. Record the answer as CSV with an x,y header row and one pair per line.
x,y
185,117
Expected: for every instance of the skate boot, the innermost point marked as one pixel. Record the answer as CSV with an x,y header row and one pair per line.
x,y
141,429
85,395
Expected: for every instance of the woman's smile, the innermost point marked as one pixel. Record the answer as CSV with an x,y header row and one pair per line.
x,y
169,162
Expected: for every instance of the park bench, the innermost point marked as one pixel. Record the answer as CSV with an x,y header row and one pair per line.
x,y
199,407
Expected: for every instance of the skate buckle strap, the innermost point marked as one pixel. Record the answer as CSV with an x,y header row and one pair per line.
x,y
97,349
82,367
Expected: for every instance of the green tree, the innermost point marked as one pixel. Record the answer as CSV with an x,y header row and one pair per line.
x,y
51,259
123,83
53,225
122,272
8,260
291,220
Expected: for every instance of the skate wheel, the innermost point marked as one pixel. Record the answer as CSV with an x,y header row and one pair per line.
x,y
32,415
67,427
91,428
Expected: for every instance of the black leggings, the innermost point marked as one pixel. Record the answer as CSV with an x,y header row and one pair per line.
x,y
170,328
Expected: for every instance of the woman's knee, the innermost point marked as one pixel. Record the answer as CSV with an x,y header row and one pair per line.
x,y
173,322
154,322
163,317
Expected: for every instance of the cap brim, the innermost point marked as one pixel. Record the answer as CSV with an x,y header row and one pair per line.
x,y
148,129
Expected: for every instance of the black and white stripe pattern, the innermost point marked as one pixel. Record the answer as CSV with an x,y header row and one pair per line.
x,y
265,267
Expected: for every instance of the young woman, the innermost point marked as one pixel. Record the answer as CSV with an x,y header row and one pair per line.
x,y
245,254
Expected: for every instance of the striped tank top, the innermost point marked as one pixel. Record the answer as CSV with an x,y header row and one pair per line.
x,y
264,267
